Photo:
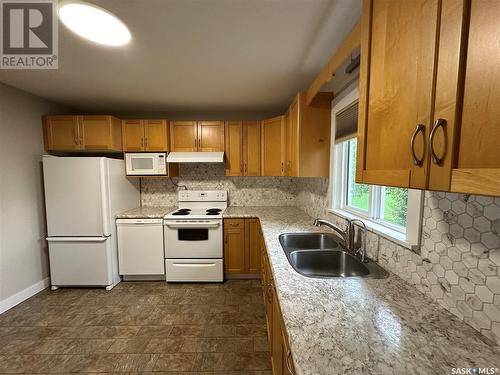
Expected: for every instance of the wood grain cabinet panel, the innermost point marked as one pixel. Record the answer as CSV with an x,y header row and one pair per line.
x,y
397,71
133,135
156,135
183,136
242,140
251,148
82,133
242,247
234,148
429,73
210,136
61,133
234,246
273,146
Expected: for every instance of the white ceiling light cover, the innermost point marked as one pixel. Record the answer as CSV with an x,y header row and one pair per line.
x,y
94,23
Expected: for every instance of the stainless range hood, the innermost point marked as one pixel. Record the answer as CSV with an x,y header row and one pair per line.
x,y
195,157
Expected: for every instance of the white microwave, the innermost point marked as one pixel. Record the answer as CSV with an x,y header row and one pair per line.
x,y
146,163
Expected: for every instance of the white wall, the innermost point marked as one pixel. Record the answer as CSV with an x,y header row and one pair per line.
x,y
23,249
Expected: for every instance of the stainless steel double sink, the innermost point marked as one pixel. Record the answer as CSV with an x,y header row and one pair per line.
x,y
321,255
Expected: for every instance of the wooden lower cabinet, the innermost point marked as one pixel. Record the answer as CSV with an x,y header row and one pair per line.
x,y
281,356
242,248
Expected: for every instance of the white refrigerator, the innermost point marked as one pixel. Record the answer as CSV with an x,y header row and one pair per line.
x,y
82,197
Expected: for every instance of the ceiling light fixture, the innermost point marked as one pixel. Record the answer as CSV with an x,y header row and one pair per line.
x,y
94,23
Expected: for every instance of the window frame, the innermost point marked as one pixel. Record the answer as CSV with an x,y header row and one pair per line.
x,y
408,236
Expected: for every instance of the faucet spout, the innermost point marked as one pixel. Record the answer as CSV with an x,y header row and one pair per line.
x,y
343,233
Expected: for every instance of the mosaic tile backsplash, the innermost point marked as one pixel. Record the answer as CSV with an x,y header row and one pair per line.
x,y
458,264
459,261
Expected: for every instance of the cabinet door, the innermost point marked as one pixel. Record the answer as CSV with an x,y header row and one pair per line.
x,y
95,131
251,145
210,136
133,135
234,148
273,146
234,246
468,147
183,136
61,133
276,338
252,246
293,139
396,89
156,135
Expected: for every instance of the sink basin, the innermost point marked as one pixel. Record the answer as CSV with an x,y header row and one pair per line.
x,y
321,255
327,263
308,241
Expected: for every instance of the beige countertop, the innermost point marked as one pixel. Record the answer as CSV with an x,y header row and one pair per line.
x,y
362,326
145,212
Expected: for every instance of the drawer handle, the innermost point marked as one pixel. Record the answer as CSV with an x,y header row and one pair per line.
x,y
437,124
418,162
287,362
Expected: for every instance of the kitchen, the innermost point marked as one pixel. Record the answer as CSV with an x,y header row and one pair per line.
x,y
184,205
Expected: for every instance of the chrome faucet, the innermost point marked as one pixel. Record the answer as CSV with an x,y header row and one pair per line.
x,y
344,233
347,235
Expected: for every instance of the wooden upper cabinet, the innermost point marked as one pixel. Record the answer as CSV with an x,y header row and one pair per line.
x,y
251,148
156,135
242,148
465,144
197,136
77,133
307,136
273,146
183,136
101,133
398,47
211,136
234,148
145,135
133,135
61,133
428,115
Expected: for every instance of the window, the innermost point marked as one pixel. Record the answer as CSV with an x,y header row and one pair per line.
x,y
385,209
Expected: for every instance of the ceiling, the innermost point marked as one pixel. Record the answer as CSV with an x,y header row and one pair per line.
x,y
196,55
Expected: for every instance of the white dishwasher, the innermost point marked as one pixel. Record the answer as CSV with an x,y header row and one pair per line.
x,y
140,247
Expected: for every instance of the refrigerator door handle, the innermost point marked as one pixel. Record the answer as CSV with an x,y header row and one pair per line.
x,y
105,196
77,239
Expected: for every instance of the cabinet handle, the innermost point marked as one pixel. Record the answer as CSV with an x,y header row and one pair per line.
x,y
287,362
233,224
145,142
418,162
437,124
81,140
195,143
246,168
241,168
282,167
142,142
77,142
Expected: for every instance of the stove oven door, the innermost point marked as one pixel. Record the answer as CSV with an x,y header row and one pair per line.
x,y
193,239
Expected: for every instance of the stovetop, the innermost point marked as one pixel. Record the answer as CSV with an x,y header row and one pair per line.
x,y
196,213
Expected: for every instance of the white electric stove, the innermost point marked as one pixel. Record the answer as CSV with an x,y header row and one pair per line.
x,y
194,237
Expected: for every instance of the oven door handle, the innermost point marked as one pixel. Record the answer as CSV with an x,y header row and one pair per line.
x,y
193,224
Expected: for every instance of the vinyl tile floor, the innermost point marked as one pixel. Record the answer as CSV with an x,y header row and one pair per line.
x,y
139,327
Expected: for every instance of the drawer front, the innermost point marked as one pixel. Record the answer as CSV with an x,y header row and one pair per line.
x,y
234,223
197,270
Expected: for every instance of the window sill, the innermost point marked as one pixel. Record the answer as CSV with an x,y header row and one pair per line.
x,y
390,234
